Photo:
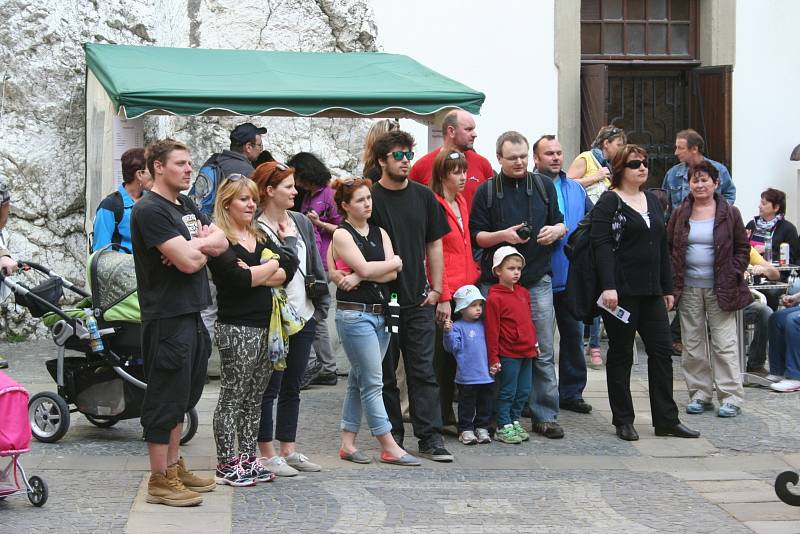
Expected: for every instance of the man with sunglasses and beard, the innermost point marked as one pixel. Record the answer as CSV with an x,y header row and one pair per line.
x,y
416,223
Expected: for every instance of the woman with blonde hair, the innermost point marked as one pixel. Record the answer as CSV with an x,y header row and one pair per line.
x,y
243,283
371,168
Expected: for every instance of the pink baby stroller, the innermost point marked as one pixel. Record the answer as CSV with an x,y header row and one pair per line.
x,y
15,439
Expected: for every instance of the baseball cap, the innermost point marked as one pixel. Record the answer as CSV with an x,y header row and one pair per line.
x,y
245,132
502,253
465,296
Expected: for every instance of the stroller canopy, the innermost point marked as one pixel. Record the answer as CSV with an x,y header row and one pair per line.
x,y
112,279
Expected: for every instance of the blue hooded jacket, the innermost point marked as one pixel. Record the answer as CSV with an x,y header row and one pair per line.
x,y
576,205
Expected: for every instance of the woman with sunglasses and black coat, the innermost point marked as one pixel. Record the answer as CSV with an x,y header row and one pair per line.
x,y
633,265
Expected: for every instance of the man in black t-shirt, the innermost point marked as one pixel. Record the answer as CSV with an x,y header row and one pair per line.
x,y
172,240
416,223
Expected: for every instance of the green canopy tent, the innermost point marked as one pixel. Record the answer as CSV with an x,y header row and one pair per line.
x,y
128,82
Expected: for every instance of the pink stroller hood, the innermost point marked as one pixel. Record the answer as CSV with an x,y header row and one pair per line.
x,y
15,429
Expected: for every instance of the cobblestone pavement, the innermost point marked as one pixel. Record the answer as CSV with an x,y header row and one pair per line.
x,y
590,481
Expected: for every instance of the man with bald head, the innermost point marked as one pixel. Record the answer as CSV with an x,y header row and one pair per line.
x,y
458,132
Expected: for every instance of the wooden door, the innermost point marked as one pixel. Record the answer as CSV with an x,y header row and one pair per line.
x,y
710,110
594,105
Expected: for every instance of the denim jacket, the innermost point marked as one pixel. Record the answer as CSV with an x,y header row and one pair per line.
x,y
676,183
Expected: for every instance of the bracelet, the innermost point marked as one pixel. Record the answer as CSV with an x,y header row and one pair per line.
x,y
436,291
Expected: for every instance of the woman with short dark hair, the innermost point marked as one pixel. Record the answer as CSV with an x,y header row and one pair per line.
x,y
630,245
709,255
771,225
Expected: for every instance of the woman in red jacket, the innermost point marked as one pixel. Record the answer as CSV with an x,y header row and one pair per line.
x,y
448,178
709,253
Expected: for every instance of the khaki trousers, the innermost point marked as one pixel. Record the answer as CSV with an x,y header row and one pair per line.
x,y
703,365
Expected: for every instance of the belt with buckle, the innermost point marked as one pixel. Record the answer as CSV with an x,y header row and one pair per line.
x,y
376,309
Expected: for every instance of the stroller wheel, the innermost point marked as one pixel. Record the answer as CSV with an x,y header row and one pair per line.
x,y
37,492
101,423
190,422
48,414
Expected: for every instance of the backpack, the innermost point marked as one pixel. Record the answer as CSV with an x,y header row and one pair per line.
x,y
118,209
204,189
583,287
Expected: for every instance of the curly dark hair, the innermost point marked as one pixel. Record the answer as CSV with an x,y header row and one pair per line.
x,y
309,169
390,140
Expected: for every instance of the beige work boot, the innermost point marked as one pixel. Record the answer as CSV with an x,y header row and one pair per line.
x,y
170,490
192,481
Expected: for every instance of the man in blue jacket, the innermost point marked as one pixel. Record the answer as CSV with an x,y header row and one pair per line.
x,y
112,222
689,151
573,204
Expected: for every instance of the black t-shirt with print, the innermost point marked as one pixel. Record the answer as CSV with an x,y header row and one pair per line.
x,y
165,291
413,218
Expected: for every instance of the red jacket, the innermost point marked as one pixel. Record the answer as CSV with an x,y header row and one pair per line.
x,y
460,268
508,324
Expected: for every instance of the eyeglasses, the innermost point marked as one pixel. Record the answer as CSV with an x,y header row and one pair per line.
x,y
456,155
281,166
235,177
636,163
398,155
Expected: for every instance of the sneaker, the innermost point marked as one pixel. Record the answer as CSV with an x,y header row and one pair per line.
x,y
256,469
234,473
192,481
483,435
729,410
168,489
786,385
301,463
436,453
698,406
325,379
520,431
3,363
507,434
759,371
549,429
595,358
278,465
310,374
774,378
468,438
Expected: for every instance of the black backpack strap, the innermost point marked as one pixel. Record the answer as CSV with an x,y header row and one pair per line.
x,y
118,208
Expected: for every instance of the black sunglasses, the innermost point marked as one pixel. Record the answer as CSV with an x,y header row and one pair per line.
x,y
398,155
636,163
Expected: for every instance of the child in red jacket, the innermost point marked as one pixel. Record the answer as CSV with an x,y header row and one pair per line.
x,y
510,343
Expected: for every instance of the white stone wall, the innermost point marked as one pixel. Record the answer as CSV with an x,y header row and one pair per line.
x,y
42,111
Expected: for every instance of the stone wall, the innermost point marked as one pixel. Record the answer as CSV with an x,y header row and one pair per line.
x,y
42,103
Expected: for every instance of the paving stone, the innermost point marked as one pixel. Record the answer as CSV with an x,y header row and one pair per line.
x,y
763,511
774,527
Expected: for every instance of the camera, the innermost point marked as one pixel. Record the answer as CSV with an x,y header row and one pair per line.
x,y
315,288
524,231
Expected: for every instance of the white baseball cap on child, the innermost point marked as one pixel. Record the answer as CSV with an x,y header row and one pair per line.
x,y
502,253
466,295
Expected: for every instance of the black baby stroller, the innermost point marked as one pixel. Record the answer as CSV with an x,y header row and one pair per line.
x,y
106,386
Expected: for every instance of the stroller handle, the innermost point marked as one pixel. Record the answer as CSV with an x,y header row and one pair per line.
x,y
25,265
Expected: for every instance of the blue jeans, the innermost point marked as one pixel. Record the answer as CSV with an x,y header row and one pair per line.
x,y
784,343
571,363
365,341
285,386
594,333
544,397
514,387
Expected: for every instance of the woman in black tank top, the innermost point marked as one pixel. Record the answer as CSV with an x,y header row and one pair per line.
x,y
363,256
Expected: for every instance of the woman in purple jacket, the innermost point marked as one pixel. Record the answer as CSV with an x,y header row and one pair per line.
x,y
709,253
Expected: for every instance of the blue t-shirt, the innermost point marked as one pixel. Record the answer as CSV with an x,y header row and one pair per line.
x,y
467,343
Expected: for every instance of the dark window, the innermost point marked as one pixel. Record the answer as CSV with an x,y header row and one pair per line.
x,y
638,29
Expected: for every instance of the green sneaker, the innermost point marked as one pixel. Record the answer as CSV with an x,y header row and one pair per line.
x,y
520,431
507,434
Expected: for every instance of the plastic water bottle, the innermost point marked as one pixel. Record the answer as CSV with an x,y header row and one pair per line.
x,y
768,249
393,317
95,340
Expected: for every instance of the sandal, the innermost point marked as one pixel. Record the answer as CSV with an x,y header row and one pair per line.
x,y
406,459
356,457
